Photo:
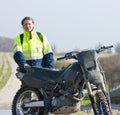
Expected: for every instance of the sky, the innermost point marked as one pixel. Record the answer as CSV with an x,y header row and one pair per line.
x,y
68,24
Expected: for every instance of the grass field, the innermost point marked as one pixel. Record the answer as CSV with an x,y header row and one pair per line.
x,y
5,69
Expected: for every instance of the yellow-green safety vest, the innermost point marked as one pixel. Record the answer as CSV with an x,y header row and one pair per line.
x,y
32,48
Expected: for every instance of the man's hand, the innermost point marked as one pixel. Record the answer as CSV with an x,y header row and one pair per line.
x,y
23,68
26,65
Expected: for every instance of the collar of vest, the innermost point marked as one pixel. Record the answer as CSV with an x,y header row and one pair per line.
x,y
28,35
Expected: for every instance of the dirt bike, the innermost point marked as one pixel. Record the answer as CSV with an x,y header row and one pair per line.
x,y
45,91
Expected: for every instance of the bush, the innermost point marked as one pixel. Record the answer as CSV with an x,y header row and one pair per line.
x,y
111,67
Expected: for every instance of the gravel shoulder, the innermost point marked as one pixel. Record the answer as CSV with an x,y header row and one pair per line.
x,y
13,84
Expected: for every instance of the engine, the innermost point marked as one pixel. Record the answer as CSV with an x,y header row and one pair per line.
x,y
65,100
65,105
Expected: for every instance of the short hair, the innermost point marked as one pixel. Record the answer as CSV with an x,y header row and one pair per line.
x,y
27,18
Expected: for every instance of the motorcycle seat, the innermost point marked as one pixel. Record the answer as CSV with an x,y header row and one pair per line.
x,y
46,74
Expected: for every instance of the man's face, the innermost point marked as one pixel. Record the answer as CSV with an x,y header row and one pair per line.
x,y
28,25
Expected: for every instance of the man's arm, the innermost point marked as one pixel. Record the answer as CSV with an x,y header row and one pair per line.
x,y
19,59
48,61
18,55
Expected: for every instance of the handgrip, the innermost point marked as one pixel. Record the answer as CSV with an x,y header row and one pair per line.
x,y
61,58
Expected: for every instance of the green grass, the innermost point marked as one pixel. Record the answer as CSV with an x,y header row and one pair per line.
x,y
85,101
5,76
1,67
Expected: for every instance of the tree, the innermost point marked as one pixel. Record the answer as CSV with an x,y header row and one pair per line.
x,y
117,47
54,48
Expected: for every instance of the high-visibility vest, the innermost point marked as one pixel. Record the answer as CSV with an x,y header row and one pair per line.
x,y
32,48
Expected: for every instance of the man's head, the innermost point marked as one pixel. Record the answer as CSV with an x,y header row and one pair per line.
x,y
27,23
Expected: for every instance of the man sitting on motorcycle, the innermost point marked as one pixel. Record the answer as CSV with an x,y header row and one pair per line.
x,y
31,49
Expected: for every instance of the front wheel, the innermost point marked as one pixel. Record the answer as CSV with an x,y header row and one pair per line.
x,y
26,95
102,103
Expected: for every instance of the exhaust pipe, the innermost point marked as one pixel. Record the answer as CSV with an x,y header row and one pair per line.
x,y
35,104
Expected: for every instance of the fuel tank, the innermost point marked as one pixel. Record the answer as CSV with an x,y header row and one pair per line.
x,y
39,77
72,75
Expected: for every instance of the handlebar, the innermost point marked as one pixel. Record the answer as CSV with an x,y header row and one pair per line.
x,y
73,54
61,58
70,55
104,48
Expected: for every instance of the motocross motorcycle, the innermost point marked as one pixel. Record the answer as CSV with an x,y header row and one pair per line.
x,y
45,91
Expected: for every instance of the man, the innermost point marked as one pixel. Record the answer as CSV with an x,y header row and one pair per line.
x,y
31,49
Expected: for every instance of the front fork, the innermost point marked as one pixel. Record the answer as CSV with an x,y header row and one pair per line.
x,y
90,92
104,88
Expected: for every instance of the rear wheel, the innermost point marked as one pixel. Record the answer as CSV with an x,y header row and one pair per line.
x,y
26,95
102,104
